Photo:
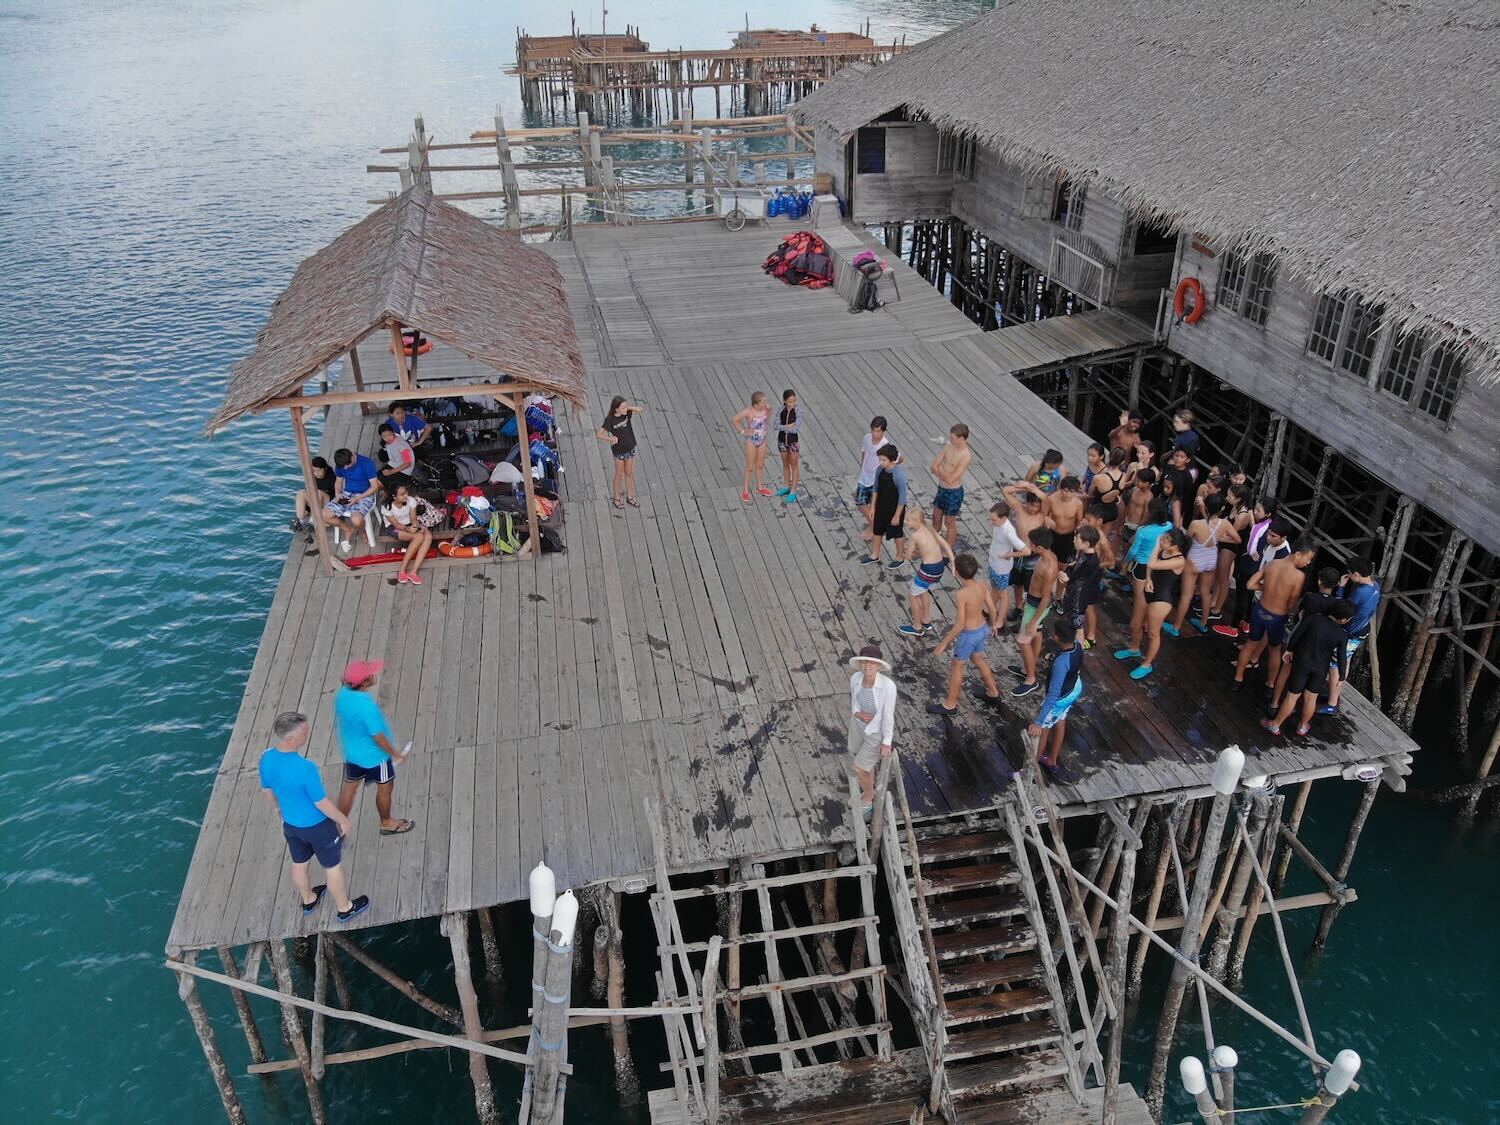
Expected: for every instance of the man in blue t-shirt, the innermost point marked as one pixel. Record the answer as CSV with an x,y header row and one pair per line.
x,y
370,754
355,491
311,823
1362,588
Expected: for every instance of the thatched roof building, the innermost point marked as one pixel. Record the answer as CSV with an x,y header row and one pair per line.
x,y
1355,140
425,265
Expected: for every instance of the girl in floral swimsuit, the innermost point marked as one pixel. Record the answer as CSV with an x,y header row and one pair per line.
x,y
750,424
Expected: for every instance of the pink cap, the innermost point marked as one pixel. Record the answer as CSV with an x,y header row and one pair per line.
x,y
357,672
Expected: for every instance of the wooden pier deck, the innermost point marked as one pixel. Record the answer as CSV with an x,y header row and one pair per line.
x,y
693,650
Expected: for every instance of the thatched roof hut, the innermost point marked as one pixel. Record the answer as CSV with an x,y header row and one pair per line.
x,y
1356,141
421,264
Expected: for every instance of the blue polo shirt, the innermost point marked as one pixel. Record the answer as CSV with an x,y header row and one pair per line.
x,y
411,426
357,475
1365,597
359,720
297,785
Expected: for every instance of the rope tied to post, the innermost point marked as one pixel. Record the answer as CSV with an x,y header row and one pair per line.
x,y
1305,1103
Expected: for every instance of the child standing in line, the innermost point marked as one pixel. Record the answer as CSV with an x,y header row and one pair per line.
x,y
949,467
890,510
1064,688
1081,583
973,618
932,556
750,424
869,467
788,444
1006,546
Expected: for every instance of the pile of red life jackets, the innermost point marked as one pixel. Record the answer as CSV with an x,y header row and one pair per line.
x,y
803,259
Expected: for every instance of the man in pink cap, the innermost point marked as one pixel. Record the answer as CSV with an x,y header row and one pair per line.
x,y
370,753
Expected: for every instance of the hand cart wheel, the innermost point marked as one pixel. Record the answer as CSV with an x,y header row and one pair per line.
x,y
734,219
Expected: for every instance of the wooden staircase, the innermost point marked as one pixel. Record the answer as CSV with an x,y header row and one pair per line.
x,y
999,1010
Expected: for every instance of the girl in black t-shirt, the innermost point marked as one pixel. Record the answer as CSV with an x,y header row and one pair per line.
x,y
618,431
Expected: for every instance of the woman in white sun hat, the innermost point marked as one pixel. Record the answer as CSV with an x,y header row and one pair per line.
x,y
872,718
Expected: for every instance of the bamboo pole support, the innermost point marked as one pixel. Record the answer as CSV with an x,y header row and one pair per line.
x,y
291,1023
1218,959
187,991
1236,971
242,1008
456,926
395,980
711,1063
1170,827
528,485
1346,860
1293,823
1119,940
1403,708
1471,802
734,923
1192,937
508,182
550,1021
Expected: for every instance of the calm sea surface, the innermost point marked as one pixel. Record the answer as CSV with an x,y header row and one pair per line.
x,y
163,168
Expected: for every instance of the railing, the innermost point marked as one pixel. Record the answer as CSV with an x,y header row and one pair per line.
x,y
928,1012
1081,272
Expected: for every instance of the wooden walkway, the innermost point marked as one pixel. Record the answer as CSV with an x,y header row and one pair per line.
x,y
693,649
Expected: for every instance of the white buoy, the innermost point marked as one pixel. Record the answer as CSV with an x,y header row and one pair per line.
x,y
543,885
1341,1074
1227,770
564,918
1193,1079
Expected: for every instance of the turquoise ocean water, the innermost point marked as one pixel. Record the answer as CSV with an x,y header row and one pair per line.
x,y
163,168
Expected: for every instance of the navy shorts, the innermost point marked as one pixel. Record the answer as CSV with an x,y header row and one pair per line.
x,y
864,495
1271,626
949,500
321,840
371,775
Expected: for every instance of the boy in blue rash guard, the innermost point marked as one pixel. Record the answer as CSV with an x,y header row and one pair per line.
x,y
1064,688
1362,588
890,509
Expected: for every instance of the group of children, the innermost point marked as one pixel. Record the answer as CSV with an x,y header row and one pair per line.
x,y
1181,540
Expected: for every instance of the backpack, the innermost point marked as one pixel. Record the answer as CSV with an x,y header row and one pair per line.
x,y
470,469
503,536
866,298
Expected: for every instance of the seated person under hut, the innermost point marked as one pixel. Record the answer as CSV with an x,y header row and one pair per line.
x,y
356,491
409,424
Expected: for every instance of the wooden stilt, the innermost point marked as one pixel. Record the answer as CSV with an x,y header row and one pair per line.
x,y
1471,802
457,927
395,980
291,1023
734,921
528,485
403,366
1403,708
493,970
1192,937
242,1008
187,990
336,974
320,996
1119,941
1346,860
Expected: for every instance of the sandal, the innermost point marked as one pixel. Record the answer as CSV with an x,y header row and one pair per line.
x,y
632,501
403,827
615,500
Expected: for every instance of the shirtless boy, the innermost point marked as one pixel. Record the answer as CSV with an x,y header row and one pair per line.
x,y
972,617
1034,612
1277,589
1137,503
1128,433
948,469
933,556
1065,510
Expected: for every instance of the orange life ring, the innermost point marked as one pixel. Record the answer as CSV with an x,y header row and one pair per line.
x,y
423,349
448,550
1188,285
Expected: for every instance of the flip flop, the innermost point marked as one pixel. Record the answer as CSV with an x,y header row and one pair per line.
x,y
318,891
405,826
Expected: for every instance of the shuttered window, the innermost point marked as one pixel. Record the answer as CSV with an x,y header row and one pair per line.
x,y
1245,285
1425,374
956,154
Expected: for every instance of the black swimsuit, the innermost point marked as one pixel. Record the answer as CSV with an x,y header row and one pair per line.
x,y
1164,584
1111,507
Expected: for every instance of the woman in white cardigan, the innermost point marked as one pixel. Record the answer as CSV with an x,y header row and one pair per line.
x,y
872,718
